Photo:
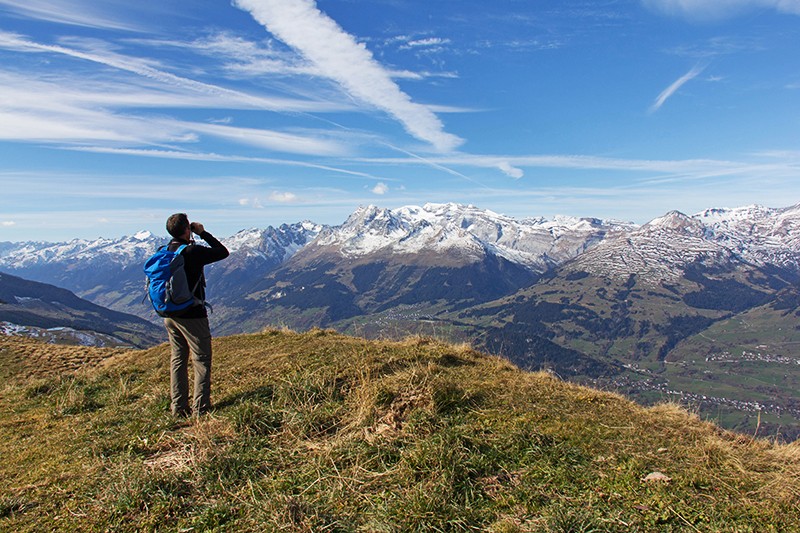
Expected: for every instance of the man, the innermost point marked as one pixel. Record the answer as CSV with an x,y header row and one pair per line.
x,y
190,333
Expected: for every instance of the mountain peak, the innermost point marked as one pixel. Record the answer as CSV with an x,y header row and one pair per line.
x,y
675,221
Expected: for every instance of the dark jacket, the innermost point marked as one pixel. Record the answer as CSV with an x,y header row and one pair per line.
x,y
195,257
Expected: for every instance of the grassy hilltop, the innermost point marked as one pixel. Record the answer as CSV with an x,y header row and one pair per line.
x,y
323,432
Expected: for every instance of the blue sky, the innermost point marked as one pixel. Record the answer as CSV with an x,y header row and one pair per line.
x,y
251,113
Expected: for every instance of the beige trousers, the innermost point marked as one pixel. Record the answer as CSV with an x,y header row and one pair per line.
x,y
189,336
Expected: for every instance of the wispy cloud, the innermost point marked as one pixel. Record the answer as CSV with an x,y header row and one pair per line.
x,y
251,202
271,140
52,89
60,110
652,169
338,56
89,14
426,45
135,65
220,158
430,41
283,197
717,9
67,106
717,46
677,84
380,189
510,171
66,117
96,191
239,56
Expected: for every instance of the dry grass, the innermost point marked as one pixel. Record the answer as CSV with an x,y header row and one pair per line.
x,y
323,432
23,358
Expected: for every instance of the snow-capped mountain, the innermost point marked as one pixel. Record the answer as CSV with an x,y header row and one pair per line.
x,y
434,252
255,253
660,250
108,272
273,244
466,232
447,256
758,234
656,252
125,250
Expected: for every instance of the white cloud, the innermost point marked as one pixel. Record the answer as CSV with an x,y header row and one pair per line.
x,y
380,189
243,57
272,140
146,69
427,45
8,223
718,9
210,156
665,169
91,14
510,171
677,84
251,202
338,56
65,108
432,41
283,197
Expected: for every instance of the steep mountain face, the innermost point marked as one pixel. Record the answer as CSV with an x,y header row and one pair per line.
x,y
42,310
761,235
657,252
432,258
660,250
255,252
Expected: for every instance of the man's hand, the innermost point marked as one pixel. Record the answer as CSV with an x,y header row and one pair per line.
x,y
197,228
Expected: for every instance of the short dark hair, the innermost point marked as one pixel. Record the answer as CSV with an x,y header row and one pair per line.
x,y
177,224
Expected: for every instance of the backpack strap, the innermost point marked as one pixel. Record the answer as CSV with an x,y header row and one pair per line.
x,y
180,250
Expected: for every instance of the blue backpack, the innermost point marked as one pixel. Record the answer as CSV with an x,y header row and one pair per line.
x,y
166,285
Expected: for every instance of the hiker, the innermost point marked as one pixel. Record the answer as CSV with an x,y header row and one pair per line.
x,y
189,332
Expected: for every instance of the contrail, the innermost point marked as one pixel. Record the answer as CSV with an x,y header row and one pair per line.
x,y
669,91
338,56
14,41
210,156
437,165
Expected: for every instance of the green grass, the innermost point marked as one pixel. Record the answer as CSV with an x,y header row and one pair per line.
x,y
324,432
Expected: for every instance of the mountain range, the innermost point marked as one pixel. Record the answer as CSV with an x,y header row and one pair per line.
x,y
699,307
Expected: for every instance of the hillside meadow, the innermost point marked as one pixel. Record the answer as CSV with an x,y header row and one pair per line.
x,y
323,432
